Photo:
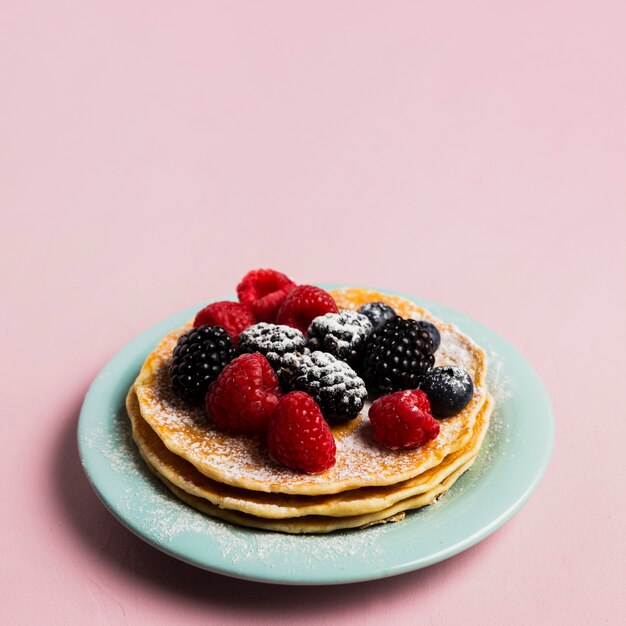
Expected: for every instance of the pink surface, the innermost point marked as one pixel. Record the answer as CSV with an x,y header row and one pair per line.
x,y
152,152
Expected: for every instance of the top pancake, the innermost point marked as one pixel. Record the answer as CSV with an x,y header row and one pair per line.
x,y
352,502
243,460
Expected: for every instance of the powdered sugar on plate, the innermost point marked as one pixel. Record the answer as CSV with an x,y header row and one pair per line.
x,y
163,517
500,429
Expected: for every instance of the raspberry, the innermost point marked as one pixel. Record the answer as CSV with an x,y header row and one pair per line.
x,y
231,316
342,334
397,355
244,395
198,358
333,384
299,437
303,305
403,420
263,291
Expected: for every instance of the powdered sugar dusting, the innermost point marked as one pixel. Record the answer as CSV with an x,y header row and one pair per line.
x,y
244,461
162,516
274,339
500,385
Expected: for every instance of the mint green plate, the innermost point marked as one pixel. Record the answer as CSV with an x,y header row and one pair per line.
x,y
511,463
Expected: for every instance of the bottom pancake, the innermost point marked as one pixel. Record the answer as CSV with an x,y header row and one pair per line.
x,y
316,524
357,502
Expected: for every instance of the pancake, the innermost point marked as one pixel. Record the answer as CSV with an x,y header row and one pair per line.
x,y
187,478
242,461
315,523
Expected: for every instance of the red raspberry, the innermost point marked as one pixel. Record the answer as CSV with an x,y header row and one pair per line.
x,y
244,395
403,420
263,291
303,305
231,316
299,436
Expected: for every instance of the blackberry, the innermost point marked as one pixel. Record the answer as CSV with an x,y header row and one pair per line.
x,y
275,342
332,383
449,389
378,313
433,331
342,334
397,355
198,358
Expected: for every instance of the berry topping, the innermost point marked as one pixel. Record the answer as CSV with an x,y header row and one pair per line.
x,y
303,305
332,383
342,334
244,395
397,355
273,341
264,291
198,358
377,312
433,331
449,389
299,437
231,316
403,420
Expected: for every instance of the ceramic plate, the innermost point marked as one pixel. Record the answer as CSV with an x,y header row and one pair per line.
x,y
510,465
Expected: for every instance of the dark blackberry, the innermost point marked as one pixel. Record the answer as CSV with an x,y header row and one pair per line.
x,y
332,383
198,358
378,313
274,341
449,389
342,334
397,355
433,331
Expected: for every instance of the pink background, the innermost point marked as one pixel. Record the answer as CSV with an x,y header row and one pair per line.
x,y
151,152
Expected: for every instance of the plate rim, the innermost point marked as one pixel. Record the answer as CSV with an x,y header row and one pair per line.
x,y
136,345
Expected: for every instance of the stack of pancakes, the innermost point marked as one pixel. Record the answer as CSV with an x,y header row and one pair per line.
x,y
231,476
